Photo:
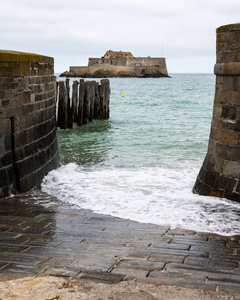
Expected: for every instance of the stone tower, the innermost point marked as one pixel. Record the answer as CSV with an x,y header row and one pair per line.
x,y
220,172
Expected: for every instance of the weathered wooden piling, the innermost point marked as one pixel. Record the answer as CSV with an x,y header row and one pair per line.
x,y
62,105
88,102
80,103
75,100
92,99
69,106
104,97
97,107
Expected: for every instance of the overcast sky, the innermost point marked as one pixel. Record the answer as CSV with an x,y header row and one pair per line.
x,y
71,31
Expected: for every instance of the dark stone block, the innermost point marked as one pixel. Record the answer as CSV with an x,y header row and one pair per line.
x,y
19,154
22,269
31,149
209,163
19,258
141,264
232,196
228,152
3,177
212,263
8,143
2,145
225,183
229,112
102,277
62,272
207,177
31,180
6,160
29,108
21,138
38,97
201,188
40,130
238,188
231,126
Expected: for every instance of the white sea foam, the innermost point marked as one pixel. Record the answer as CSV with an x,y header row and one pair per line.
x,y
160,195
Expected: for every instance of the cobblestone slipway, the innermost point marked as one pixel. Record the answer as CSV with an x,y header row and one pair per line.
x,y
41,237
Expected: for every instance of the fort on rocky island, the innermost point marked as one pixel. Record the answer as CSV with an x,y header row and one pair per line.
x,y
120,64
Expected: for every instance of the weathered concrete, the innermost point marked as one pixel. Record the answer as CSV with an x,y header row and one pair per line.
x,y
220,172
40,236
28,144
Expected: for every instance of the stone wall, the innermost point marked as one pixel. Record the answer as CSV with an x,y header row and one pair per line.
x,y
220,173
28,144
128,61
121,67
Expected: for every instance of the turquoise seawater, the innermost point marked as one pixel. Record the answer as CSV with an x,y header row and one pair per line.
x,y
158,121
142,162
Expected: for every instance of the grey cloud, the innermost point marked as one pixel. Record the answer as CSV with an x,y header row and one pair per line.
x,y
71,31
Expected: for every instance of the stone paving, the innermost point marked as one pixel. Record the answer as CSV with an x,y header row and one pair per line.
x,y
40,236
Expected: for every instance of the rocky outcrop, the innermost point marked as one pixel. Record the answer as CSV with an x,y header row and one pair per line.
x,y
68,74
153,73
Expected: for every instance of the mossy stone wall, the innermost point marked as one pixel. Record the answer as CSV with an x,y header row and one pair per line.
x,y
28,143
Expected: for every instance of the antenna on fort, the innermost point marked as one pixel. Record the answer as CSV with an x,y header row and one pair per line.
x,y
162,51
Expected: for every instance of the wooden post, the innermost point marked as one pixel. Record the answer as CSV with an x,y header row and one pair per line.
x,y
91,99
97,102
100,101
107,88
75,100
105,95
92,102
69,107
56,101
86,102
62,105
80,103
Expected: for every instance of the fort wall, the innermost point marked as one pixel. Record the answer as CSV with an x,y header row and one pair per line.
x,y
121,67
28,144
220,172
128,61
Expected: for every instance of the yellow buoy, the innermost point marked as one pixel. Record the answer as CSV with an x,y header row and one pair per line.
x,y
123,95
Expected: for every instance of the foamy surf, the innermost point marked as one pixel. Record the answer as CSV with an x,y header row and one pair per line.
x,y
159,195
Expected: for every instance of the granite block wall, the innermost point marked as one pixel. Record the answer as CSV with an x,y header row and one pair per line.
x,y
121,67
220,172
28,143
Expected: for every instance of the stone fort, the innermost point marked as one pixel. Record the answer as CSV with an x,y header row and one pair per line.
x,y
121,64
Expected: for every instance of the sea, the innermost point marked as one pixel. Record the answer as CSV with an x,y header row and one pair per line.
x,y
141,164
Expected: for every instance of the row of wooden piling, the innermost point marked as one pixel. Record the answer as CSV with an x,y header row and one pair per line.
x,y
89,101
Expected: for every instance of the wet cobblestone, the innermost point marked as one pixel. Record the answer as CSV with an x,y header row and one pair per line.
x,y
38,235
